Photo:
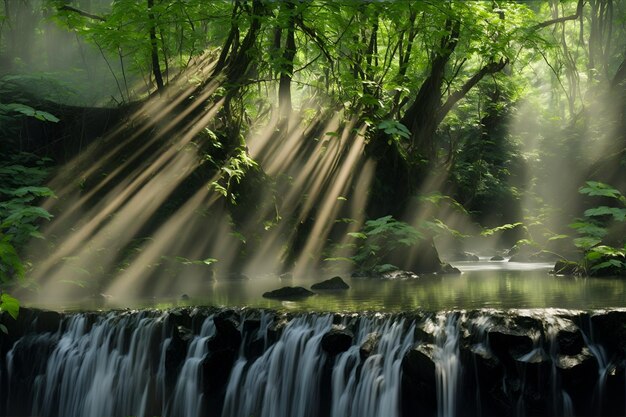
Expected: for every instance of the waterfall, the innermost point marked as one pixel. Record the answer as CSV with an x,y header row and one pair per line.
x,y
187,399
227,363
371,389
104,371
447,364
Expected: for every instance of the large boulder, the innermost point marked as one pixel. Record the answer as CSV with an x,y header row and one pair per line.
x,y
334,283
337,340
288,293
419,382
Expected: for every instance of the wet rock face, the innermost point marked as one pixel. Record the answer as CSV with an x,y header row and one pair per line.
x,y
570,341
504,342
419,382
337,340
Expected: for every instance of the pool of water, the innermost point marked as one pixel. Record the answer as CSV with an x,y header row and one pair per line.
x,y
482,284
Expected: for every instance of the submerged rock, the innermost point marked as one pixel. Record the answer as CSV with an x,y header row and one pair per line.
x,y
334,283
497,258
288,293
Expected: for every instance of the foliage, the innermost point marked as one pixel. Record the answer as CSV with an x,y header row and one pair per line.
x,y
231,173
594,229
21,178
19,215
377,239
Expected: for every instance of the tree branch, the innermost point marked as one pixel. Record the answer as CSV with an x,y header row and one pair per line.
x,y
579,11
81,12
453,98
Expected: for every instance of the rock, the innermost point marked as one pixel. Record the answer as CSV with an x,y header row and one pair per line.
x,y
398,275
418,363
497,258
47,321
505,342
419,382
423,336
216,367
563,267
578,374
369,345
570,341
334,283
275,330
609,331
449,269
337,340
288,293
175,354
184,297
227,335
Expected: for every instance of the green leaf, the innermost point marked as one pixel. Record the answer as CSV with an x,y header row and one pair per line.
x,y
358,235
36,191
618,214
508,226
590,229
595,188
4,329
557,237
607,264
586,242
10,305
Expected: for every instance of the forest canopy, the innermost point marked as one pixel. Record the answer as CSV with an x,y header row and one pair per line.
x,y
303,122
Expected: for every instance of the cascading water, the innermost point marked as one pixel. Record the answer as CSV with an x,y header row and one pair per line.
x,y
261,363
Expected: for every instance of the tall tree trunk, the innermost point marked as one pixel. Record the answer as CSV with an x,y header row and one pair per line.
x,y
286,72
421,118
154,52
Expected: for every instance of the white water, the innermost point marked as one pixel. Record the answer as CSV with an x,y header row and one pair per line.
x,y
447,364
377,391
100,372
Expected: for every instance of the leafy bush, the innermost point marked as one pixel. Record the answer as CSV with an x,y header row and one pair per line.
x,y
601,254
20,190
376,241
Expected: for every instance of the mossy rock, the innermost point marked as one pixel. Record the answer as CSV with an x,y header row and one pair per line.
x,y
563,267
288,293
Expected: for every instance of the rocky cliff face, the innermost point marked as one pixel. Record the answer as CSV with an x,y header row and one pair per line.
x,y
212,362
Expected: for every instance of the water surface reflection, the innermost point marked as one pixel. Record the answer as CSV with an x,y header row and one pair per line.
x,y
481,285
